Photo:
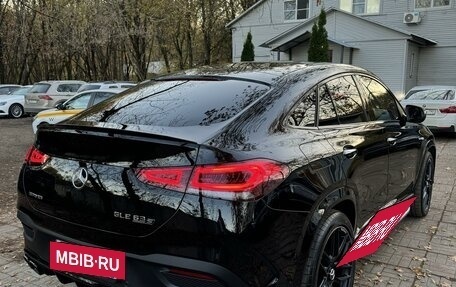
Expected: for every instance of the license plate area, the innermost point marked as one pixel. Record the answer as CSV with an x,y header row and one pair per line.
x,y
87,260
430,112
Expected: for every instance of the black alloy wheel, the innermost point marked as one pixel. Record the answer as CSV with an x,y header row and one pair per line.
x,y
423,190
331,241
339,241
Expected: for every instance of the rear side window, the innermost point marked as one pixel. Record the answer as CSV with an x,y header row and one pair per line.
x,y
380,104
346,98
303,114
68,88
79,102
435,95
40,88
126,86
175,103
327,115
99,97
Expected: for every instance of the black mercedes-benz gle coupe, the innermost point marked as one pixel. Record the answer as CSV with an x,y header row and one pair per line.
x,y
246,175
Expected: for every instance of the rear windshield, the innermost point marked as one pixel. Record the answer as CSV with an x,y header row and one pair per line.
x,y
430,95
88,87
177,103
40,88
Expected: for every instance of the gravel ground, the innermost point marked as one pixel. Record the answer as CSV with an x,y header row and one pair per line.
x,y
420,252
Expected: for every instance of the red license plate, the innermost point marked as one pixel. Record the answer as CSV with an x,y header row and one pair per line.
x,y
87,260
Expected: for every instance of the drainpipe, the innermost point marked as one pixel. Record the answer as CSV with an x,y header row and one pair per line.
x,y
350,61
342,55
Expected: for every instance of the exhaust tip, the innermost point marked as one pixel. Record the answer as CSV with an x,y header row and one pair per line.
x,y
33,265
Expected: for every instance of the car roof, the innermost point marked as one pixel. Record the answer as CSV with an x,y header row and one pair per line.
x,y
9,85
266,73
61,82
109,82
112,90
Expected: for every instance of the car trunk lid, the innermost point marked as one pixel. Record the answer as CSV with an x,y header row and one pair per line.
x,y
91,178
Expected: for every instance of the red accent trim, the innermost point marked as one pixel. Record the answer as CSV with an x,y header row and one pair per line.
x,y
192,274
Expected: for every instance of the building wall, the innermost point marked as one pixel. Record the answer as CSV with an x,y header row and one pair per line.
x,y
437,66
265,22
435,22
260,34
435,63
385,59
383,51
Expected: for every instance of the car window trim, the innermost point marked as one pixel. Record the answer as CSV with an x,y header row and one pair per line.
x,y
317,104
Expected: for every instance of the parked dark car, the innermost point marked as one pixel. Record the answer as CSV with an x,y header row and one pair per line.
x,y
252,175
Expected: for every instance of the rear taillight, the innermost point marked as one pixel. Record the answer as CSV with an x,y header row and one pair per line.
x,y
449,110
170,178
45,97
35,157
241,180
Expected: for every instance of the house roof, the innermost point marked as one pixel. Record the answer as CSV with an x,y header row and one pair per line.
x,y
244,13
304,37
288,39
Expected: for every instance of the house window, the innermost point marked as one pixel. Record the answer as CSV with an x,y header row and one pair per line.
x,y
296,9
361,6
419,4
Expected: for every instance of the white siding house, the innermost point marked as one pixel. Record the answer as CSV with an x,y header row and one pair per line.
x,y
367,33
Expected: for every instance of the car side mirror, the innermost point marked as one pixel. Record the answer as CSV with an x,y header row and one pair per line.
x,y
60,106
415,114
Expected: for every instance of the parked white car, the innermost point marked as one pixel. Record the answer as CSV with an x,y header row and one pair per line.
x,y
7,89
439,104
106,85
73,106
12,104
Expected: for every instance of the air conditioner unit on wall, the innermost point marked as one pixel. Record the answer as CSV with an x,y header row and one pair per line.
x,y
412,18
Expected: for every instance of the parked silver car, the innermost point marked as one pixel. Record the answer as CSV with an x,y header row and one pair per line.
x,y
48,94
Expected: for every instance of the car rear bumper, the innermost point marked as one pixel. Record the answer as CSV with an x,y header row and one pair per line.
x,y
446,124
142,270
442,129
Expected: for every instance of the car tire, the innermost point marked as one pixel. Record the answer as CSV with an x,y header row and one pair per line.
x,y
16,111
332,239
423,188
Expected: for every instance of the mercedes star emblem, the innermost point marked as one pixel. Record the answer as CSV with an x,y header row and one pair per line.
x,y
80,177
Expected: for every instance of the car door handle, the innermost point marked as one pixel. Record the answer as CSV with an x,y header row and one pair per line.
x,y
391,141
350,152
